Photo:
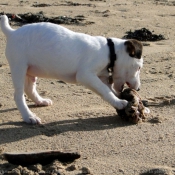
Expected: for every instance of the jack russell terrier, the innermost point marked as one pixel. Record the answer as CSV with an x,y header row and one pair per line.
x,y
51,51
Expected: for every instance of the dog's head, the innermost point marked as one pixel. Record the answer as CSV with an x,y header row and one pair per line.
x,y
128,65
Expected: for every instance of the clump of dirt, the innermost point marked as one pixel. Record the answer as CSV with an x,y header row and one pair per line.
x,y
27,18
157,171
55,167
143,35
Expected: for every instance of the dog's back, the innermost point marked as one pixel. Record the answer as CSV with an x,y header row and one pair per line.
x,y
52,48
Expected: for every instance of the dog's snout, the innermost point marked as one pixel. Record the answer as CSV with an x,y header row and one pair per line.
x,y
138,89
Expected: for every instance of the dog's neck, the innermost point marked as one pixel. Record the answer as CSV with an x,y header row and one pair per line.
x,y
113,58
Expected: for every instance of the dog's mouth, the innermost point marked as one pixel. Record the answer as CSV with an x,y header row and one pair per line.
x,y
128,84
122,87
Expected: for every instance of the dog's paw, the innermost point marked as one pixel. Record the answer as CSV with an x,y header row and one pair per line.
x,y
121,104
33,119
44,102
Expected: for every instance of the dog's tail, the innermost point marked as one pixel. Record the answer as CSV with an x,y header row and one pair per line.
x,y
5,27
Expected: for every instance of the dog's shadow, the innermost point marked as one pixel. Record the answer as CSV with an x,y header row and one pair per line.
x,y
15,131
21,130
14,109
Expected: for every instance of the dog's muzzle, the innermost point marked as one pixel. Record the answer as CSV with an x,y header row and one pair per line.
x,y
138,89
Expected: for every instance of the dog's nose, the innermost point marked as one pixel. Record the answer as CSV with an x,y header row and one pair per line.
x,y
138,89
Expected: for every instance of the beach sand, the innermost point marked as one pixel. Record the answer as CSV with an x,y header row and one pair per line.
x,y
79,120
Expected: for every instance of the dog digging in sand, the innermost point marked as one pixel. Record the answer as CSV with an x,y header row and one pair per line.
x,y
51,51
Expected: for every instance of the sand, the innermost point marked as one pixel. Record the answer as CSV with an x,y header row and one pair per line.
x,y
79,120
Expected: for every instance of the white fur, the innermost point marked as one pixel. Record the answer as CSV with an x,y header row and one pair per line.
x,y
51,51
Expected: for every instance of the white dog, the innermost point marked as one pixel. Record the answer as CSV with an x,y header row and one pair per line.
x,y
51,51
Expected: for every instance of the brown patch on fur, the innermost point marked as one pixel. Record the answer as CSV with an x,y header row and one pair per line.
x,y
134,48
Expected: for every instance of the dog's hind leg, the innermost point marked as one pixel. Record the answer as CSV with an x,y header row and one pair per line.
x,y
31,92
18,77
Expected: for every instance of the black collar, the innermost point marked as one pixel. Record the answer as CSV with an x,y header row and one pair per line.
x,y
113,58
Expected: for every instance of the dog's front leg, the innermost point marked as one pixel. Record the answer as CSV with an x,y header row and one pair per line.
x,y
111,86
91,81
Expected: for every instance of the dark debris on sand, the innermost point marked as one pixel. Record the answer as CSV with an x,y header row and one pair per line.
x,y
143,35
66,3
70,3
27,18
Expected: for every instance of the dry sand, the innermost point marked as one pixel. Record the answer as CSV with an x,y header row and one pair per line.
x,y
79,120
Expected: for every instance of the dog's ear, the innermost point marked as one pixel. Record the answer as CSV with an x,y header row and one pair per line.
x,y
134,48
